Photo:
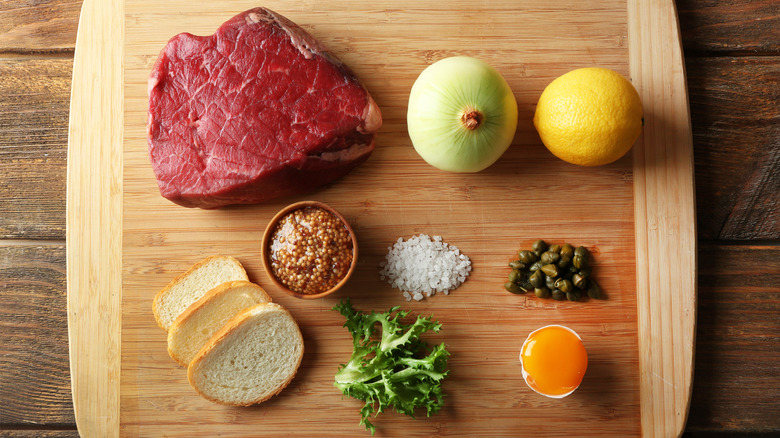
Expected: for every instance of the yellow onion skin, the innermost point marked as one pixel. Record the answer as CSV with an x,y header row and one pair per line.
x,y
438,120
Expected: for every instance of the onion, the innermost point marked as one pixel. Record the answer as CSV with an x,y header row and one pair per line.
x,y
462,115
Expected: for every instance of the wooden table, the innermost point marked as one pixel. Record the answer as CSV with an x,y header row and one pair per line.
x,y
732,52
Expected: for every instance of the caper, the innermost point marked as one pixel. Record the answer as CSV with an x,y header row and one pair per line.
x,y
557,271
537,279
542,292
580,262
539,247
511,286
567,250
525,284
574,295
564,262
581,257
550,257
550,270
549,282
517,265
594,291
564,285
579,281
527,257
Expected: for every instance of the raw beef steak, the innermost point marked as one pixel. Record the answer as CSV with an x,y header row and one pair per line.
x,y
256,111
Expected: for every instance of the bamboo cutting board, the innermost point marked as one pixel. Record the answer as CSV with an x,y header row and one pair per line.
x,y
125,242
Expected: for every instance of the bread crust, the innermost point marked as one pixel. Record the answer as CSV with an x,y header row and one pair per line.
x,y
211,295
243,317
182,276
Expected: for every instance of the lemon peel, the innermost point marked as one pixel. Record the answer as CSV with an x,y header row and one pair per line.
x,y
590,116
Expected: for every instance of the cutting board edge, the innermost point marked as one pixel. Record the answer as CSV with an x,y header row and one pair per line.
x,y
665,231
78,251
94,218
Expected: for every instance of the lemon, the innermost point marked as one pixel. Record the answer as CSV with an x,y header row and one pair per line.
x,y
589,116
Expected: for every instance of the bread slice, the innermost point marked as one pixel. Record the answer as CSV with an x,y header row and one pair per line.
x,y
190,331
193,284
253,357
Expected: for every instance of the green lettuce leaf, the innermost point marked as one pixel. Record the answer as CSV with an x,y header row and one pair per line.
x,y
393,368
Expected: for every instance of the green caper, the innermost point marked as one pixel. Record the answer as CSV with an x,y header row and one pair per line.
x,y
581,251
549,282
579,281
511,286
564,262
567,251
539,247
517,265
542,292
564,285
594,291
557,271
574,295
525,284
580,262
537,279
527,257
581,257
550,270
550,257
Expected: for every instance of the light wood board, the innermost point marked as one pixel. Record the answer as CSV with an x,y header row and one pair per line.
x,y
125,242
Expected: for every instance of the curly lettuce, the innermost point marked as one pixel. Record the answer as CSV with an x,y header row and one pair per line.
x,y
393,368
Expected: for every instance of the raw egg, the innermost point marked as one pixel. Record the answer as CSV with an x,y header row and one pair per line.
x,y
553,361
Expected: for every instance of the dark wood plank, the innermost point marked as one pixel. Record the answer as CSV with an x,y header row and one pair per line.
x,y
736,135
34,104
35,383
708,26
736,382
32,433
38,25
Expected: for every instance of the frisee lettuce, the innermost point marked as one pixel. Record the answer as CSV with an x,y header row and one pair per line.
x,y
387,370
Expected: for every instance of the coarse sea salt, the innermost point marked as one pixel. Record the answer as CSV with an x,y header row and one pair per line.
x,y
422,266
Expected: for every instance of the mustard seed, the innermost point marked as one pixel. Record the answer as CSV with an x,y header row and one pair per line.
x,y
310,251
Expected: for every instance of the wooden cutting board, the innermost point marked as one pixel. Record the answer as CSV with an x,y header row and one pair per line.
x,y
125,241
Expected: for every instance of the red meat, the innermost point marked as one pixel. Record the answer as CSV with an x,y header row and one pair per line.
x,y
257,111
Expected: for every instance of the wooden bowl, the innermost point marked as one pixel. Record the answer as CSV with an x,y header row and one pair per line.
x,y
266,259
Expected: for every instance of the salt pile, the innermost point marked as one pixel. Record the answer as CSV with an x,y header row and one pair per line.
x,y
422,266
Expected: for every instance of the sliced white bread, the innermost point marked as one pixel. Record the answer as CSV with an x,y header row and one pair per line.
x,y
253,357
190,331
192,285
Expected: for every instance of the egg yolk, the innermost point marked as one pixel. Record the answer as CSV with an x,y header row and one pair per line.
x,y
555,360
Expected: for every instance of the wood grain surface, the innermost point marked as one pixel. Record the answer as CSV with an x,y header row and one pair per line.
x,y
35,95
474,212
94,218
664,218
38,26
735,378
